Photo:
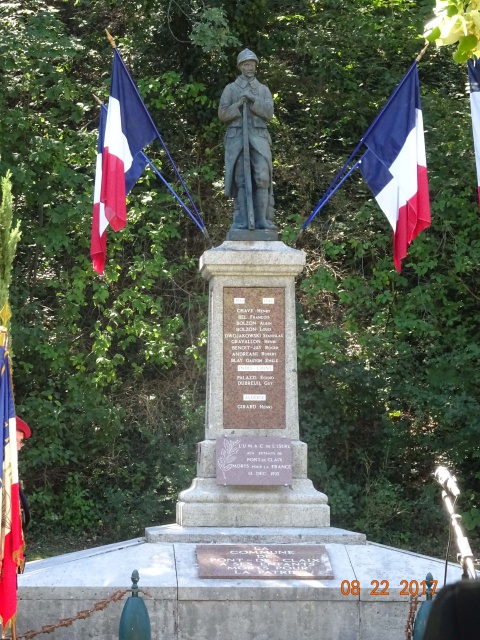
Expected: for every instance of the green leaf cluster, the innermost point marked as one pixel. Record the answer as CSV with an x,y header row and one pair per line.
x,y
456,21
8,238
110,372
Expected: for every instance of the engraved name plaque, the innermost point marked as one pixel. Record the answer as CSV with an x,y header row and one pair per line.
x,y
254,460
305,562
254,358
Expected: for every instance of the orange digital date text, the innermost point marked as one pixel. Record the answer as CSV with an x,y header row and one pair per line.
x,y
381,587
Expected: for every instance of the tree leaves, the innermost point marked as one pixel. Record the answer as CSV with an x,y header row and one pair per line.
x,y
111,371
456,21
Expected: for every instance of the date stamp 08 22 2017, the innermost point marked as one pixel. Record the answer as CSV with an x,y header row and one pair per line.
x,y
380,587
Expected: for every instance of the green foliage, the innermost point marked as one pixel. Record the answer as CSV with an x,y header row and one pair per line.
x,y
211,32
8,239
456,21
110,372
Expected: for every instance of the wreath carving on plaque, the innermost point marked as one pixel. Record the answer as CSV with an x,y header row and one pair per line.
x,y
228,455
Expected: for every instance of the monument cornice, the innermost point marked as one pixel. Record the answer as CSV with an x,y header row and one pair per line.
x,y
252,259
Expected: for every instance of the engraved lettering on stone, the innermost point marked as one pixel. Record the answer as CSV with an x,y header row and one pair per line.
x,y
254,346
254,367
259,460
264,561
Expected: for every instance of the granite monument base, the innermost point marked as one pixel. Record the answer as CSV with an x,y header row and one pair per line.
x,y
252,390
297,505
183,606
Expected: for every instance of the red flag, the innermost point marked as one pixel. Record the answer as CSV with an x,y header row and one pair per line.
x,y
11,534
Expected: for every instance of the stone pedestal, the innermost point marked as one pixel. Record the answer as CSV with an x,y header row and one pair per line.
x,y
184,606
262,334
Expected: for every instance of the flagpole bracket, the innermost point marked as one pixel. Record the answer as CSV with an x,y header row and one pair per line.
x,y
207,238
298,237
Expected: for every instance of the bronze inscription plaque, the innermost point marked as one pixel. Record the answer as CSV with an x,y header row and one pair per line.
x,y
254,358
254,460
307,562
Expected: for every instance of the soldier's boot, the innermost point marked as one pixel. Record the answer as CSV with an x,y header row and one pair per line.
x,y
261,206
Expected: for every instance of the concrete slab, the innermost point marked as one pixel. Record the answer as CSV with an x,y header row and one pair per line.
x,y
108,567
101,625
193,588
253,535
184,607
58,588
388,575
267,620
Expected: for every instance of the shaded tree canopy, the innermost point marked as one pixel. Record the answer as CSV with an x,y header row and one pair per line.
x,y
110,371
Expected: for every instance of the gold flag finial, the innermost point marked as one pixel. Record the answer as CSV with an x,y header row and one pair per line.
x,y
110,39
420,55
97,99
5,314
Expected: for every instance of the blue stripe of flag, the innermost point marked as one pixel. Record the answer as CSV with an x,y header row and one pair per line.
x,y
137,124
473,74
387,138
376,174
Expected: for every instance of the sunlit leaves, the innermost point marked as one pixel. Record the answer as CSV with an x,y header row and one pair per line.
x,y
456,21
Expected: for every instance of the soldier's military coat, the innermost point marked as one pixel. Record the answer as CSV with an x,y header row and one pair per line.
x,y
259,112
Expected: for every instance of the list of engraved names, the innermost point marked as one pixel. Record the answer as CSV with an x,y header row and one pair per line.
x,y
254,358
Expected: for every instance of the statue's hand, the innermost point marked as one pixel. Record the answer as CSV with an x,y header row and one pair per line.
x,y
249,96
241,102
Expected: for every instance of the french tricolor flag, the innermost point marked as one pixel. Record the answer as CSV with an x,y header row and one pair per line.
x,y
98,244
395,167
474,78
124,131
11,535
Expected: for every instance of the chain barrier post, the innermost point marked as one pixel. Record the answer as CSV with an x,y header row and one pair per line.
x,y
423,612
135,621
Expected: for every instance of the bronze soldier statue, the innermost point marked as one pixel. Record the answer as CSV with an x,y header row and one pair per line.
x,y
246,106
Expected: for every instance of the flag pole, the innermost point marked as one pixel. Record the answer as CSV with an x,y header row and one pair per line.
x,y
169,187
157,133
420,55
357,149
332,193
175,195
332,185
326,195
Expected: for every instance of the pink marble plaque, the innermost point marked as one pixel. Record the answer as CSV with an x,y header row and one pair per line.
x,y
284,561
254,460
254,358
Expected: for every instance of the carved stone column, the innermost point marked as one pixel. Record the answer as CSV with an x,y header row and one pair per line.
x,y
252,387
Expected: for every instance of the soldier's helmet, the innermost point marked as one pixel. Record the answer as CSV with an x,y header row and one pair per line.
x,y
244,55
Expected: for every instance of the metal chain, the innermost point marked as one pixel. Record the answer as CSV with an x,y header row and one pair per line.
x,y
411,617
81,615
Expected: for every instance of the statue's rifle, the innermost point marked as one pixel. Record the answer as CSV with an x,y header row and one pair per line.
x,y
247,169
